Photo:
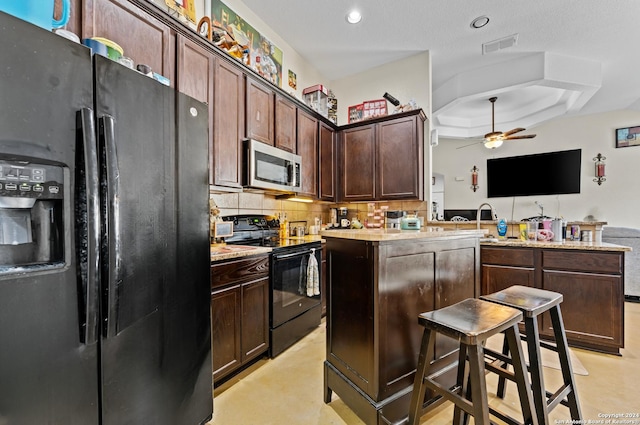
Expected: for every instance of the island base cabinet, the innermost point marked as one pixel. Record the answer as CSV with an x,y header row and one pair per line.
x,y
376,292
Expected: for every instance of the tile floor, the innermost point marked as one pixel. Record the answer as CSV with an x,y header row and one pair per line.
x,y
288,389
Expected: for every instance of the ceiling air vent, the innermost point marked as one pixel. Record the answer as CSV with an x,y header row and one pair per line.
x,y
502,43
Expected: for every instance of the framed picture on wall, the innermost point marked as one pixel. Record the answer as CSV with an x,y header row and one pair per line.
x,y
628,136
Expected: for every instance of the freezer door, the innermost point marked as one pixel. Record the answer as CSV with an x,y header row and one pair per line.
x,y
155,357
48,348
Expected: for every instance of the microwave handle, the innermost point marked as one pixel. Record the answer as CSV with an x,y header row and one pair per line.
x,y
292,177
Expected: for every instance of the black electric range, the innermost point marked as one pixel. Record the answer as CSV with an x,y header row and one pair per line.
x,y
294,287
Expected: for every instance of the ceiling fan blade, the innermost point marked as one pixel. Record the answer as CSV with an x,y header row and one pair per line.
x,y
524,136
470,144
515,130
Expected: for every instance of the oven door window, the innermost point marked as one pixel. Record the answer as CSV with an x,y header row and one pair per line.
x,y
290,284
271,169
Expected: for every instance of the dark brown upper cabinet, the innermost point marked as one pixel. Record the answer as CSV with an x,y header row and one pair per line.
x,y
144,38
228,124
260,112
307,148
383,159
327,163
285,124
358,163
399,152
195,78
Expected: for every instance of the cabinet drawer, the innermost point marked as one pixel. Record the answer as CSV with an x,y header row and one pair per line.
x,y
522,257
590,261
239,271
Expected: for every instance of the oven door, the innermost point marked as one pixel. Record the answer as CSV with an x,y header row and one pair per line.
x,y
292,289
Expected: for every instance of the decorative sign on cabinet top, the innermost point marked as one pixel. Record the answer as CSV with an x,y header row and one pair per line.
x,y
234,35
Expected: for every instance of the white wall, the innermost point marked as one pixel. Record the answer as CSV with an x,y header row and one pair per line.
x,y
616,201
404,79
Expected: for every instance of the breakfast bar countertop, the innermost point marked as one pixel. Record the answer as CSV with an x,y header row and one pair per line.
x,y
577,245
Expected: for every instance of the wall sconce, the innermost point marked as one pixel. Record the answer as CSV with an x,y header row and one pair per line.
x,y
600,169
474,178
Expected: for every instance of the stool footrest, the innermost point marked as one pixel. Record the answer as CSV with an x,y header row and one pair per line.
x,y
500,371
559,397
495,356
549,346
504,417
451,395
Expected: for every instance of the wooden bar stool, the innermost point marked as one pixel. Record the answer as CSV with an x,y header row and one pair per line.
x,y
470,322
532,302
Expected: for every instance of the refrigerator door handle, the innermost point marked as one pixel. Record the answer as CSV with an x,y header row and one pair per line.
x,y
89,226
113,262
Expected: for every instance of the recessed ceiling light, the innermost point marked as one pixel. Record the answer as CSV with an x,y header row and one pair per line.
x,y
479,22
354,17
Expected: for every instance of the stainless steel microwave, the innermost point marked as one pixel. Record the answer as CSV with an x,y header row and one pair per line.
x,y
271,168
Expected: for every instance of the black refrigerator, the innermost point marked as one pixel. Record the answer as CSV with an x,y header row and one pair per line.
x,y
104,240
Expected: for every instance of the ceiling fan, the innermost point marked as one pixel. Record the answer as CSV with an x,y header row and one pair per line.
x,y
496,138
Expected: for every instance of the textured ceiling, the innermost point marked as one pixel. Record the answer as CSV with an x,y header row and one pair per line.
x,y
602,34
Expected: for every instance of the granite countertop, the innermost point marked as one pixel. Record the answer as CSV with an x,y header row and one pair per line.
x,y
580,223
397,235
584,246
225,252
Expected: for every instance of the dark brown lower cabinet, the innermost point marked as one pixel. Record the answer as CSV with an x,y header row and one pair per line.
x,y
591,282
239,313
376,291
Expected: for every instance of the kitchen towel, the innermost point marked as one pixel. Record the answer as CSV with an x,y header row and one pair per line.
x,y
313,276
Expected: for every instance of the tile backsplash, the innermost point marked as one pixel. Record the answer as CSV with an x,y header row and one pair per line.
x,y
264,204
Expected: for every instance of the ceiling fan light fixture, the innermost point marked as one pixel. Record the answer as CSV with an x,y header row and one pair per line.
x,y
354,17
492,144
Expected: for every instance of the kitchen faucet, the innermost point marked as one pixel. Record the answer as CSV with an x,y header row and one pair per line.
x,y
541,210
493,213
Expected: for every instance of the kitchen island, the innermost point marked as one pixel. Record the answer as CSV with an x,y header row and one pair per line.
x,y
378,283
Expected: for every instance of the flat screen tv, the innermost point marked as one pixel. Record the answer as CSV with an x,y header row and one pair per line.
x,y
549,173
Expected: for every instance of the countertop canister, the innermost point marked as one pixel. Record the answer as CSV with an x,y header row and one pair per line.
x,y
556,228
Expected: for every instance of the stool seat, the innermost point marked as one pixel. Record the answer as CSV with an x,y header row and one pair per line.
x,y
530,301
471,321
